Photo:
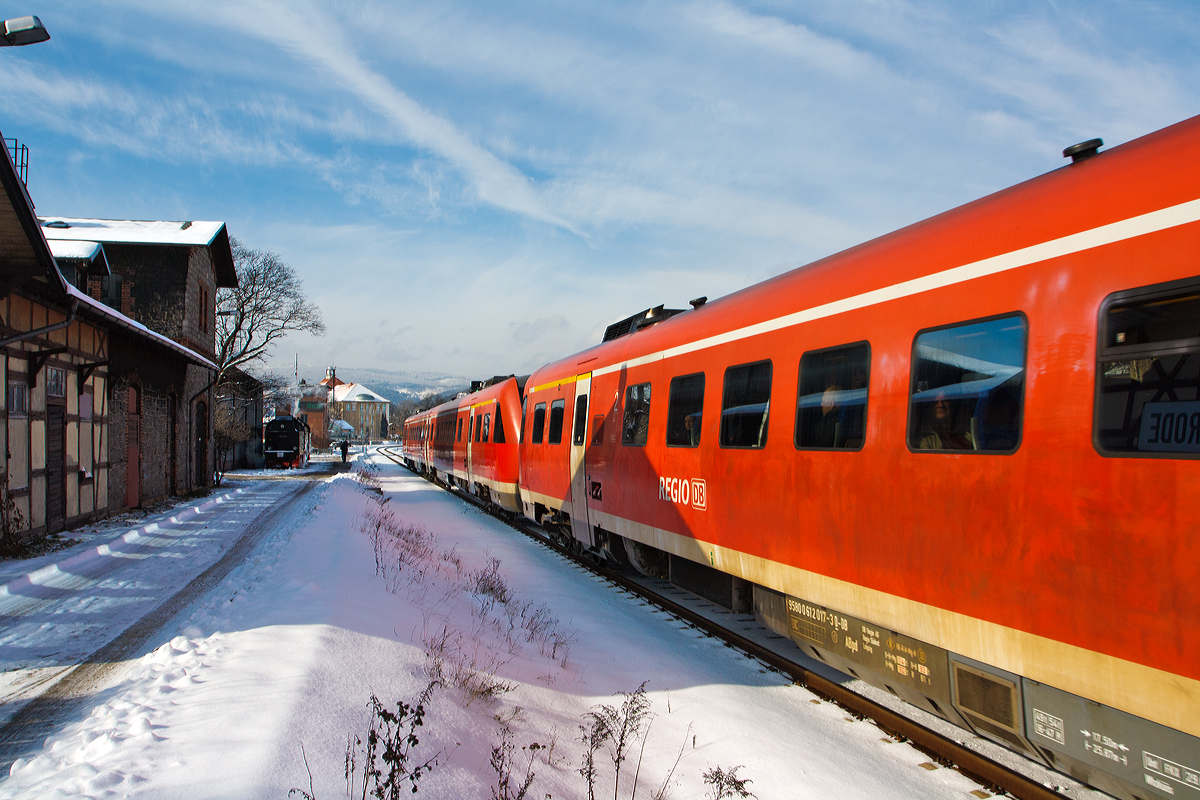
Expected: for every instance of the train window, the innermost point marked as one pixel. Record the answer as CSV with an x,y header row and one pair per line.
x,y
460,428
524,406
831,403
580,420
746,405
557,409
685,405
539,423
968,387
487,427
636,427
1148,371
478,426
499,428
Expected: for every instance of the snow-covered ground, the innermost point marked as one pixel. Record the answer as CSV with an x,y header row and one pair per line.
x,y
278,664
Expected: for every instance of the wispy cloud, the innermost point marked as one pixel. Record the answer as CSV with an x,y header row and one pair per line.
x,y
316,37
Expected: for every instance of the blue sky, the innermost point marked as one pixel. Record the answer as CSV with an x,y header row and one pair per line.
x,y
479,188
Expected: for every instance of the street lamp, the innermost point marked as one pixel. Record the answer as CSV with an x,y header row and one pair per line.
x,y
23,30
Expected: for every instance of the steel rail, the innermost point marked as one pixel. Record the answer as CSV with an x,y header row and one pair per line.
x,y
974,765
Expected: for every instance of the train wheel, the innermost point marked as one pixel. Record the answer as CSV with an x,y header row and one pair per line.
x,y
649,561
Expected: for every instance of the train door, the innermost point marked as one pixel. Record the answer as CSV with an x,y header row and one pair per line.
x,y
470,465
580,526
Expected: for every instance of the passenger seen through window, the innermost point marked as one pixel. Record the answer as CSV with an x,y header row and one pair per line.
x,y
685,406
968,387
636,426
831,410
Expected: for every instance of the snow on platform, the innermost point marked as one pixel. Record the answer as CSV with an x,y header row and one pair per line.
x,y
287,651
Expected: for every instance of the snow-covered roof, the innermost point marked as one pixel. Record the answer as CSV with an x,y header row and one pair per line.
x,y
90,252
74,249
116,316
131,231
150,232
341,425
356,393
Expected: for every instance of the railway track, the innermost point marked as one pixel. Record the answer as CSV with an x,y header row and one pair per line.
x,y
996,776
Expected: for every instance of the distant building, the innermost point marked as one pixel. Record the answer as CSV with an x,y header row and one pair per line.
x,y
312,406
362,408
340,430
331,378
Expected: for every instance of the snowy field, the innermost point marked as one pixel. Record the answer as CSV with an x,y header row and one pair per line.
x,y
379,590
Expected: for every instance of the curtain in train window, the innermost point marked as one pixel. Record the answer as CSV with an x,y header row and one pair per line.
x,y
1148,376
831,409
539,422
746,405
968,387
685,406
557,409
636,426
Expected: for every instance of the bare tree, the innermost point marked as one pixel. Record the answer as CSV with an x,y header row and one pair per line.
x,y
229,430
267,304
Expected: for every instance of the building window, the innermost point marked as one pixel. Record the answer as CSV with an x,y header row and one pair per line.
x,y
746,405
56,382
685,406
831,406
110,291
203,314
18,399
1148,371
539,422
968,387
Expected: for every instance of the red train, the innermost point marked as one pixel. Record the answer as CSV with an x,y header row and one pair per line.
x,y
471,442
957,461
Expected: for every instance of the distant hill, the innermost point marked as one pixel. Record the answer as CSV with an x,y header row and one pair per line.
x,y
399,386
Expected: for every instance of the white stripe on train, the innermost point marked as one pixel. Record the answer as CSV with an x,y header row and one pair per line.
x,y
1163,219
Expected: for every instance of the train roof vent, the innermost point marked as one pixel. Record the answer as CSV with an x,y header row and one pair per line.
x,y
638,321
1078,152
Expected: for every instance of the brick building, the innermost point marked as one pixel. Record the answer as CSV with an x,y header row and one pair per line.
x,y
164,275
60,352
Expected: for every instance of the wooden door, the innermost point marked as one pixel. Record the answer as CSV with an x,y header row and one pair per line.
x,y
133,448
55,477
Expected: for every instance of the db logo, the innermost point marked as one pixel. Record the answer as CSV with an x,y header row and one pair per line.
x,y
683,491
